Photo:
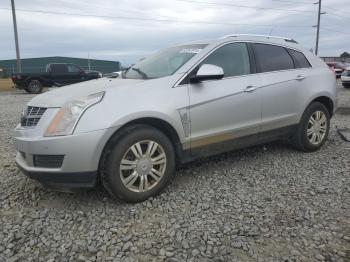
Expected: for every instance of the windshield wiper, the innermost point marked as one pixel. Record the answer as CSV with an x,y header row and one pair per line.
x,y
141,73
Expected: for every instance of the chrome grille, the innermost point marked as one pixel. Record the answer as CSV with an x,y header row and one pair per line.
x,y
31,116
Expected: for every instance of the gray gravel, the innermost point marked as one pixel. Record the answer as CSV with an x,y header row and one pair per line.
x,y
267,203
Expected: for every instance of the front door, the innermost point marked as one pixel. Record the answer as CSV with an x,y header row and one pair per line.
x,y
226,113
75,74
59,74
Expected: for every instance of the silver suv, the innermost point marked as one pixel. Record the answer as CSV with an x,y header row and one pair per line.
x,y
188,101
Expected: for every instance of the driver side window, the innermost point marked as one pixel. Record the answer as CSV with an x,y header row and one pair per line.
x,y
232,58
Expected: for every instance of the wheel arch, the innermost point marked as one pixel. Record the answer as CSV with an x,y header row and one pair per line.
x,y
161,125
327,102
30,78
154,122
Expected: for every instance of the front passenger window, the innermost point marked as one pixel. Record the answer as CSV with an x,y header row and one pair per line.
x,y
232,58
73,69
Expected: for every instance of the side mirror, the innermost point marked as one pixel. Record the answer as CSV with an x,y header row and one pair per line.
x,y
207,72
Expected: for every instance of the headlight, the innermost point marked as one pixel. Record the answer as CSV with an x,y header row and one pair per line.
x,y
68,116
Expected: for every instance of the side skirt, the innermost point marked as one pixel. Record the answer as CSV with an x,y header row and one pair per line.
x,y
237,143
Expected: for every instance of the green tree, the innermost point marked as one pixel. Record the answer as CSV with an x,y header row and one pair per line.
x,y
345,55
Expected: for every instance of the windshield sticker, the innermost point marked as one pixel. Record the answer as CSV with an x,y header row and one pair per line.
x,y
190,51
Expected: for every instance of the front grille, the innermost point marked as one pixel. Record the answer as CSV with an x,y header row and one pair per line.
x,y
32,115
48,161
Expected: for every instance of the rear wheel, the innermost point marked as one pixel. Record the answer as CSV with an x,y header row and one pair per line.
x,y
34,87
138,164
313,128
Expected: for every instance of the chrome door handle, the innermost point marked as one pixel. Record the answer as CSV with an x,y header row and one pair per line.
x,y
300,78
250,89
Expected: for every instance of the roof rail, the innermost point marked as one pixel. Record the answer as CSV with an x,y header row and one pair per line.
x,y
266,36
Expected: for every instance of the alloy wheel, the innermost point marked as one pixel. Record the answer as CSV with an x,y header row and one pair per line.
x,y
35,86
143,166
317,128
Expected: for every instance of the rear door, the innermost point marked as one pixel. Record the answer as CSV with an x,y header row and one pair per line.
x,y
281,83
223,111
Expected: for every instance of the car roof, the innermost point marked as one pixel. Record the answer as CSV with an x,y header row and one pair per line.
x,y
278,40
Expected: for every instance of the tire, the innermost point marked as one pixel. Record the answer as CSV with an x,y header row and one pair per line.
x,y
119,148
34,87
301,140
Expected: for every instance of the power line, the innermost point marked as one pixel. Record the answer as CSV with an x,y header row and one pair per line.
x,y
246,6
324,6
96,6
264,8
160,20
335,30
338,16
337,10
294,2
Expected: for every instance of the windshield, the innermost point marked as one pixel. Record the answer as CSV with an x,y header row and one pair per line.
x,y
163,63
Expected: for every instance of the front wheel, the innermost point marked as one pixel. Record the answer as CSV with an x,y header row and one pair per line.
x,y
313,128
138,164
34,87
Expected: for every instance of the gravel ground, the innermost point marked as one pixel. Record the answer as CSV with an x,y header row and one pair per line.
x,y
266,203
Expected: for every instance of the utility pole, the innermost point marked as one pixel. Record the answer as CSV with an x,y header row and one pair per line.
x,y
19,68
318,24
89,61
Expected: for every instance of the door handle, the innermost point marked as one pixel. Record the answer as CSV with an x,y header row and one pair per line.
x,y
300,78
250,89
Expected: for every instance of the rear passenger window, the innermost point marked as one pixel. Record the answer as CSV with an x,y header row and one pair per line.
x,y
299,58
272,58
232,58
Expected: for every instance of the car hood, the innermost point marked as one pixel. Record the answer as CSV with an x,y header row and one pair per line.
x,y
59,96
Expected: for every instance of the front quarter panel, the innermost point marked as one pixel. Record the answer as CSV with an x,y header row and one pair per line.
x,y
152,98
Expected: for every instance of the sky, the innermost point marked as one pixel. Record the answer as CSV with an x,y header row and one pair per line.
x,y
126,30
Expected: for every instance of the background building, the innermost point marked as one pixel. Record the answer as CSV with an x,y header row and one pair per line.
x,y
335,59
34,65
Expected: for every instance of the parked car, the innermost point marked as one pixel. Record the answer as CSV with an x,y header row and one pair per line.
x,y
345,78
55,75
183,103
337,67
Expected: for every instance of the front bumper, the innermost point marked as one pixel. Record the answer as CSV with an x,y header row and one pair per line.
x,y
20,84
81,153
63,181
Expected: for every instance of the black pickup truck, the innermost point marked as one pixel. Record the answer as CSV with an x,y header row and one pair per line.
x,y
55,75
